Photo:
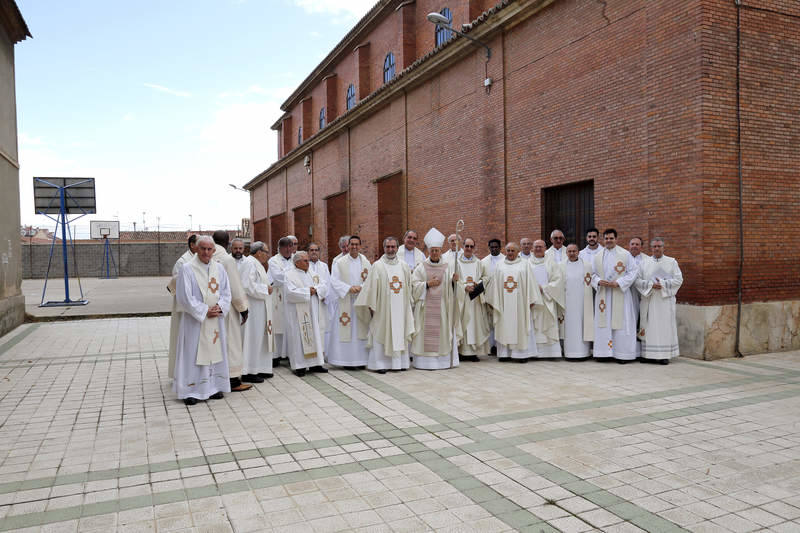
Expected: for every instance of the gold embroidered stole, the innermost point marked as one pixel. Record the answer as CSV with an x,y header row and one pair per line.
x,y
617,296
432,321
209,347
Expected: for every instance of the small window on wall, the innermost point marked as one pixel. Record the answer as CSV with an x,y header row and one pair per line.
x,y
300,135
322,118
388,68
351,97
443,34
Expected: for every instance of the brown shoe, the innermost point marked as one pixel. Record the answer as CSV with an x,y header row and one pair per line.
x,y
242,387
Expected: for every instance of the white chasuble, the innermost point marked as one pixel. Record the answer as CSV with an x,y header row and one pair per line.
x,y
576,318
201,360
433,343
319,273
559,255
614,315
657,323
177,311
512,292
278,265
411,257
233,321
347,343
258,343
472,318
386,297
303,332
545,317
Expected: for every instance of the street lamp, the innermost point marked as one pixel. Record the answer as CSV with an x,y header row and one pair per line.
x,y
232,186
443,22
190,222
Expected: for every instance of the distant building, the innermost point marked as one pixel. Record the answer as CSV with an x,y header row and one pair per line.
x,y
12,303
649,116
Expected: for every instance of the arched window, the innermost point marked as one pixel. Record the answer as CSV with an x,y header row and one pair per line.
x,y
300,135
322,118
351,97
443,34
388,68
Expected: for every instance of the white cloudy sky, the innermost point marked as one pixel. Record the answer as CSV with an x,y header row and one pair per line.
x,y
164,103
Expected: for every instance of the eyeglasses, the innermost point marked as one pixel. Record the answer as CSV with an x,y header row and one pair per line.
x,y
469,246
558,238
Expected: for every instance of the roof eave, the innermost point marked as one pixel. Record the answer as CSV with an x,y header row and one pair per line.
x,y
12,21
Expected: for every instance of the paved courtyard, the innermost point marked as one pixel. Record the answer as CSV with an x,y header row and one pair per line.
x,y
92,439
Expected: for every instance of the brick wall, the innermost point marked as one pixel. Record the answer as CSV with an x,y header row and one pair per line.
x,y
132,259
638,96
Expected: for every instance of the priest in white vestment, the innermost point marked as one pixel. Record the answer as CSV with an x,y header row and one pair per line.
x,y
385,301
201,361
347,343
304,333
233,320
450,255
237,252
177,312
490,263
557,252
526,248
545,317
512,294
435,341
344,245
658,283
472,318
258,343
592,247
278,265
576,320
635,248
613,273
319,273
410,253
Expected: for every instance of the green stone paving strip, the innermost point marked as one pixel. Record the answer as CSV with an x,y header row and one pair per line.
x,y
18,338
782,373
612,503
85,359
746,362
194,493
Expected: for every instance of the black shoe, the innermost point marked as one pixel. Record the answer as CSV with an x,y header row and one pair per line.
x,y
264,375
663,361
276,361
624,361
403,369
382,371
235,382
300,372
493,351
252,378
504,359
642,360
216,396
190,401
318,369
520,360
362,367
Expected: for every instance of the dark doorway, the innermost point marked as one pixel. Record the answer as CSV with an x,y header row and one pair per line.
x,y
277,229
336,217
302,226
390,209
260,231
569,208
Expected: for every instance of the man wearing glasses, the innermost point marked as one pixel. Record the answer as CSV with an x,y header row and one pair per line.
x,y
472,316
556,253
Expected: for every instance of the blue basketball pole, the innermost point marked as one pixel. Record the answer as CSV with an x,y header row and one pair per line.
x,y
64,256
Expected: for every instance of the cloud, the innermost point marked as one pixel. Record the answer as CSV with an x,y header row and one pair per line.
x,y
342,9
173,92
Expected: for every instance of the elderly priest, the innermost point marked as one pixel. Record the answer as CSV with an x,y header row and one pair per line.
x,y
512,294
472,319
433,345
658,283
576,322
258,338
201,359
550,278
385,301
303,330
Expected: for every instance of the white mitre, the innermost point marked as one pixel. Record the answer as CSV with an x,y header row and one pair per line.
x,y
434,238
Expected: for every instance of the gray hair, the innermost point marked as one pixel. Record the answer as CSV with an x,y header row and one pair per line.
x,y
344,239
657,239
387,239
552,233
205,238
237,239
256,247
294,239
298,256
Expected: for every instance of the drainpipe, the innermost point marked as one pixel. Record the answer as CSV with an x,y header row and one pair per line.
x,y
736,348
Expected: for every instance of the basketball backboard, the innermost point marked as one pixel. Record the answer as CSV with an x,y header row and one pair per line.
x,y
104,229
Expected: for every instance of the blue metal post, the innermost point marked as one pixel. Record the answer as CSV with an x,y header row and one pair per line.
x,y
62,194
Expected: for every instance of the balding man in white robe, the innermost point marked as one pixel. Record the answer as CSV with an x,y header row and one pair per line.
x,y
576,319
201,361
349,332
557,252
549,276
258,341
473,320
304,334
278,265
658,283
177,312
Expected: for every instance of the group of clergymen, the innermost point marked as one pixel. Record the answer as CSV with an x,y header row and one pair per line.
x,y
236,316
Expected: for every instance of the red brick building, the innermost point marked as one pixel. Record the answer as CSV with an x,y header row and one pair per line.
x,y
634,114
